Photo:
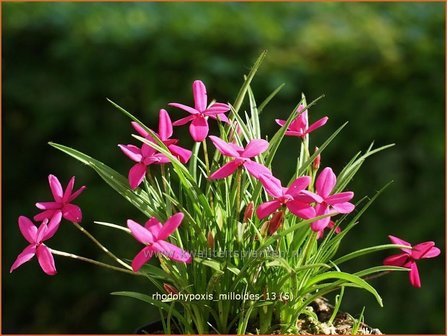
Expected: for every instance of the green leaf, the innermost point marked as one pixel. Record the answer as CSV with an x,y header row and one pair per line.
x,y
138,198
359,282
162,305
365,251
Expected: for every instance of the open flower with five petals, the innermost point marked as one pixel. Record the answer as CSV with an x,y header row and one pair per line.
x,y
153,234
35,237
200,112
61,204
410,255
241,157
299,127
330,203
295,197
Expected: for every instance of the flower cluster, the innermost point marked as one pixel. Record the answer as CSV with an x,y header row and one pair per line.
x,y
236,203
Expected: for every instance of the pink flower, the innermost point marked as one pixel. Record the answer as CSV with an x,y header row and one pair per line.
x,y
154,235
336,203
164,134
409,257
200,113
146,155
300,126
35,236
295,198
241,157
62,203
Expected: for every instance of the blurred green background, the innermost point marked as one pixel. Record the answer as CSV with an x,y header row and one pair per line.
x,y
380,65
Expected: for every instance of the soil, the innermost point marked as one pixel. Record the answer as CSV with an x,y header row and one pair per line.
x,y
342,325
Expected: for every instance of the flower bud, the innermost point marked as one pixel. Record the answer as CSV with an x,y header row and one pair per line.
x,y
264,228
248,214
275,222
210,240
317,160
170,289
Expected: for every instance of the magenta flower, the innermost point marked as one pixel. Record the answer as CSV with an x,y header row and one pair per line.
x,y
295,198
241,157
164,134
146,155
200,113
36,236
154,235
62,203
300,126
409,257
330,204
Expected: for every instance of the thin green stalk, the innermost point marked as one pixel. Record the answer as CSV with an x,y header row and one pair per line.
x,y
94,262
102,247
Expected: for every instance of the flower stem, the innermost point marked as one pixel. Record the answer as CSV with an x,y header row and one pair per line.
x,y
94,262
205,154
102,247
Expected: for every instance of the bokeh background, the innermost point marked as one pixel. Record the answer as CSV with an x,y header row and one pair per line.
x,y
380,65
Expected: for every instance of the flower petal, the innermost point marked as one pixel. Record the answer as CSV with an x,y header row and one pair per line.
x,y
301,209
76,193
217,109
200,96
221,117
72,213
199,129
56,188
137,127
227,169
267,208
414,275
325,182
256,169
271,184
400,260
44,215
172,252
132,152
339,198
154,226
142,257
182,154
68,190
164,125
425,250
298,185
139,232
184,108
53,225
170,226
46,260
308,197
280,122
224,147
48,205
136,175
23,257
343,208
28,229
399,241
317,124
254,148
183,121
